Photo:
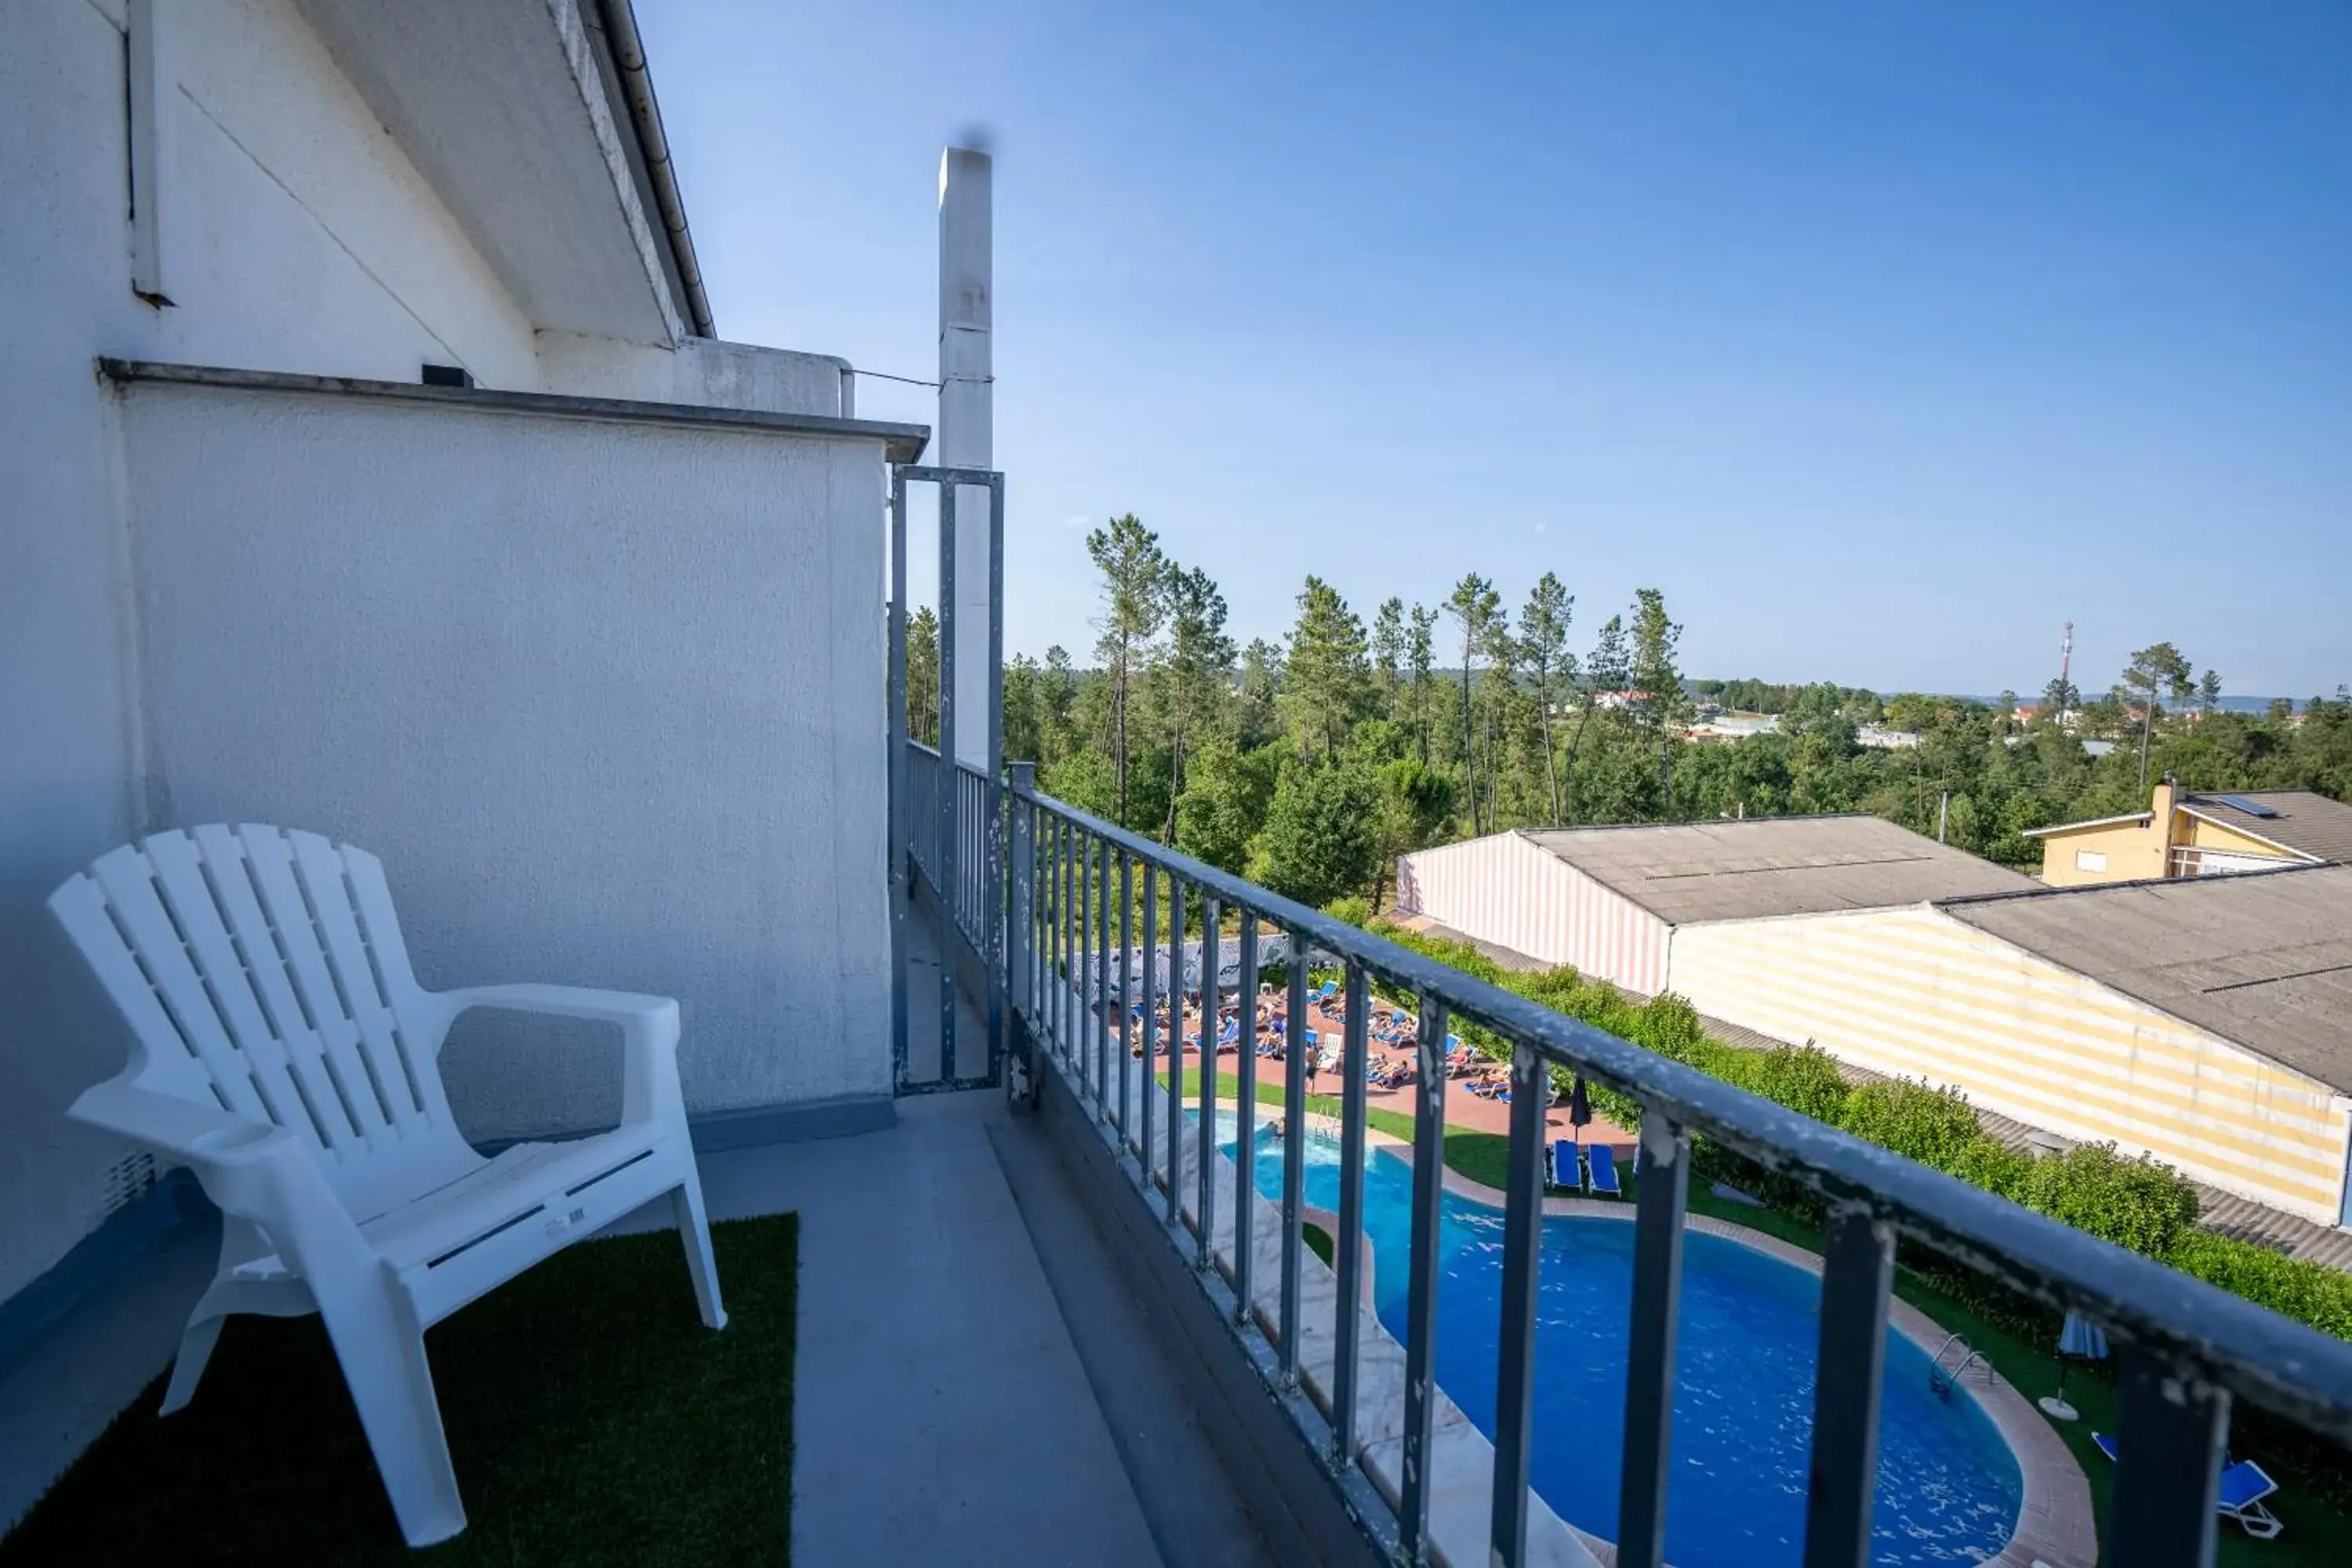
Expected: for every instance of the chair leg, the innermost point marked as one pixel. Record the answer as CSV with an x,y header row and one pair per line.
x,y
694,1231
382,1348
188,1367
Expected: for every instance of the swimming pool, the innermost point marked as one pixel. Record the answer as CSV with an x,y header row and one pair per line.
x,y
1948,1483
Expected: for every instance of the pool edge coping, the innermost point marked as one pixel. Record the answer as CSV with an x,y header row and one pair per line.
x,y
2056,1523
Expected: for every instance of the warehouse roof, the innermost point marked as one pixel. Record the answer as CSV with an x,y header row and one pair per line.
x,y
2262,959
2297,819
1685,872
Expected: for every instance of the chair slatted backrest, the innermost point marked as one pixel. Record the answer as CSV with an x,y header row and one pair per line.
x,y
263,971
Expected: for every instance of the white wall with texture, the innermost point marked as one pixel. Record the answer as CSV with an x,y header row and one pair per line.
x,y
606,698
301,240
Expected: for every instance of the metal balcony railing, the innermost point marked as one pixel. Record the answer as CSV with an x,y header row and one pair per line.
x,y
961,876
1080,889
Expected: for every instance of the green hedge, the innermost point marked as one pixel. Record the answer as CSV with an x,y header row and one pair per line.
x,y
2140,1203
2312,1293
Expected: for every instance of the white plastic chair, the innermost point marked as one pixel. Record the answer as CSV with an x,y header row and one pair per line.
x,y
283,1048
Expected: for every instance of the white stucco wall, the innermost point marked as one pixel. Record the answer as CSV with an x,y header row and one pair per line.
x,y
300,240
606,698
298,235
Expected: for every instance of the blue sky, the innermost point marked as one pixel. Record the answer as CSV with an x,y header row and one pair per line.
x,y
1882,338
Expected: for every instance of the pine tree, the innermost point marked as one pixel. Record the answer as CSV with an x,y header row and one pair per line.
x,y
1195,679
1326,679
1127,555
1387,652
1474,607
1543,641
1655,674
1256,715
1421,651
1606,671
2157,670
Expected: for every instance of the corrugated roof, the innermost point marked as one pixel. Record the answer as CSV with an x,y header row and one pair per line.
x,y
2262,959
1685,872
2305,820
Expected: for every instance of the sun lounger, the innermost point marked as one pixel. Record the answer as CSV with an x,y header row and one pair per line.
x,y
1567,1171
1604,1171
2244,1485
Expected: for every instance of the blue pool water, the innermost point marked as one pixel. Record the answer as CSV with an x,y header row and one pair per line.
x,y
1948,1484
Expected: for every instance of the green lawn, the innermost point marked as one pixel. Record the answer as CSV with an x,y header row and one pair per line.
x,y
2317,1532
593,1420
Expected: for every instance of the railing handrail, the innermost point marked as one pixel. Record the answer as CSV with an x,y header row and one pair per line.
x,y
2282,1365
932,752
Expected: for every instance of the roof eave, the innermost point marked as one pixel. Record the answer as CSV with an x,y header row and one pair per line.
x,y
2095,822
643,113
2244,832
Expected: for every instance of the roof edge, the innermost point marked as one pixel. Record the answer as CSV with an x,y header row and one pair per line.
x,y
900,443
2093,889
2087,822
1703,822
628,52
2243,832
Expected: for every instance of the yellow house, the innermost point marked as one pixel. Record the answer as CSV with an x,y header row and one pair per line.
x,y
2189,835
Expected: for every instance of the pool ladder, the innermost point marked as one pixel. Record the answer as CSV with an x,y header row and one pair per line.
x,y
1942,1383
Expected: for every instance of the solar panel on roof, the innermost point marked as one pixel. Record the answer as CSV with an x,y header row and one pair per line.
x,y
2250,807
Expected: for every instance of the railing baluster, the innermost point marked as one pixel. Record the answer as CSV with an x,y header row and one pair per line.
x,y
1522,1263
995,918
1088,1065
1068,995
1020,936
1050,999
1175,1049
2170,1426
1421,1305
1125,992
944,870
1041,897
1294,1154
1858,1272
1211,997
1102,980
901,766
1658,1211
1148,1072
1246,1115
1346,1323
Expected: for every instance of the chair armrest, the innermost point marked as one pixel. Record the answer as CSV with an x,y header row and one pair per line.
x,y
649,1087
255,1170
183,1129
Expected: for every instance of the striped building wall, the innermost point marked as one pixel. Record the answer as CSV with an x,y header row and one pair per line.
x,y
1503,888
1913,992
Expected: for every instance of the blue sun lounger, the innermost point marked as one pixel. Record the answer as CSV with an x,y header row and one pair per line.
x,y
1604,1171
1566,1170
2240,1496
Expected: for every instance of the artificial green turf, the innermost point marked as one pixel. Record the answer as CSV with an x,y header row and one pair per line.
x,y
593,1419
2317,1531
